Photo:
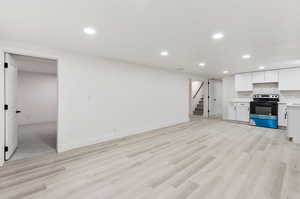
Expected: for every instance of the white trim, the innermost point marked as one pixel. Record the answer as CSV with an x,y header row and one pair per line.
x,y
30,54
2,131
123,134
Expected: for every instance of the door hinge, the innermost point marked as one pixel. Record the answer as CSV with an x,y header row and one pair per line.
x,y
5,65
5,107
6,149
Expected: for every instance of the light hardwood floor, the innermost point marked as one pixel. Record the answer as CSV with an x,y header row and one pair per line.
x,y
210,159
35,140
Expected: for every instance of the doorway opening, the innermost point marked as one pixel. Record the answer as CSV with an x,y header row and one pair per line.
x,y
31,106
197,93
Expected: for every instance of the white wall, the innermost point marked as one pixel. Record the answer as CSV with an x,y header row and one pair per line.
x,y
195,86
228,94
37,97
101,99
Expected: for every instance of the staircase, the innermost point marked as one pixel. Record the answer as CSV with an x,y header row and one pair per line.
x,y
199,109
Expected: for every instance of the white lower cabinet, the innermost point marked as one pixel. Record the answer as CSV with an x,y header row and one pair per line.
x,y
282,115
242,112
231,111
239,111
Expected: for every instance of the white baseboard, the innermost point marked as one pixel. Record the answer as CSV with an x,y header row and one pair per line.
x,y
120,134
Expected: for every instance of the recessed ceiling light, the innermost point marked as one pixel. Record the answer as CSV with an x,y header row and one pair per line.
x,y
89,31
261,67
225,71
164,53
218,36
246,56
202,64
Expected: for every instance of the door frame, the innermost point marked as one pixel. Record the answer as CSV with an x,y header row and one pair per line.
x,y
219,97
210,93
208,98
190,98
2,91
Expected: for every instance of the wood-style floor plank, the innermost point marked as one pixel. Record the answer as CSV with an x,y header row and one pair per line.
x,y
207,159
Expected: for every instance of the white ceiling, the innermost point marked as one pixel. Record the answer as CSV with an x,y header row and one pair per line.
x,y
138,30
34,64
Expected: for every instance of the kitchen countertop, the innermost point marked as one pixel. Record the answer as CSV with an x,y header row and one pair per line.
x,y
293,105
296,104
241,100
282,102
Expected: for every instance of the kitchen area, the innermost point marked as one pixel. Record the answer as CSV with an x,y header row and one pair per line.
x,y
267,99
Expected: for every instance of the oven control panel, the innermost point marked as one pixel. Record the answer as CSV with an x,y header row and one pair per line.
x,y
273,96
266,97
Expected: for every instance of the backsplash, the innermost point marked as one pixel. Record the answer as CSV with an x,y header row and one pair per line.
x,y
290,96
271,88
266,88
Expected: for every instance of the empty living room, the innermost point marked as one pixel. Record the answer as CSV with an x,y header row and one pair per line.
x,y
149,99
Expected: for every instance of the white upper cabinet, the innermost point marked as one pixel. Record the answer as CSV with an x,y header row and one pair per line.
x,y
258,77
289,79
238,111
265,77
243,82
271,76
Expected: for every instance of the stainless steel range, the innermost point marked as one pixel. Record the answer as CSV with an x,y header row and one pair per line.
x,y
264,110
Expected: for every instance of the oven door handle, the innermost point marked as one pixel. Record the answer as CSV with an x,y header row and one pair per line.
x,y
265,104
